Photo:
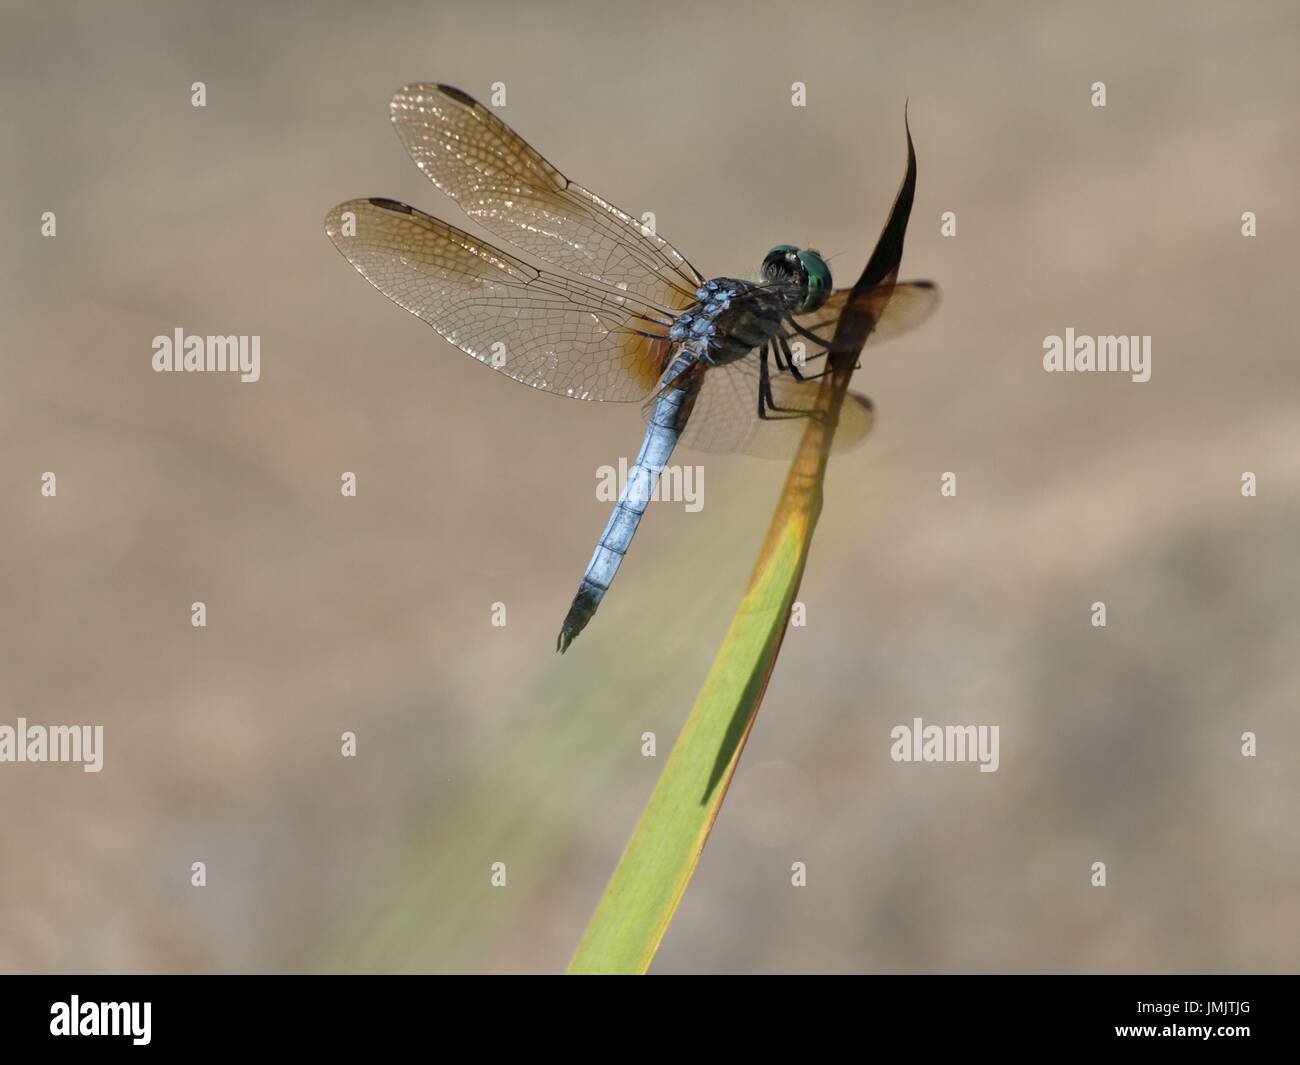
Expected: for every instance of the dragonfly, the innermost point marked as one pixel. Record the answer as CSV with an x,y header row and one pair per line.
x,y
598,306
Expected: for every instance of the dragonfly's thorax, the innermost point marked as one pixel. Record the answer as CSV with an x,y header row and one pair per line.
x,y
731,318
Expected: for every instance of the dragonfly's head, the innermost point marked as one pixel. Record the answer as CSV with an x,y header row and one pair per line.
x,y
805,270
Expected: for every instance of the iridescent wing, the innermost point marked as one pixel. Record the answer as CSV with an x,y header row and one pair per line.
x,y
725,417
897,309
508,188
555,333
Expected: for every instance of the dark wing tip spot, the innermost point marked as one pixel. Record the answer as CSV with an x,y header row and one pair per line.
x,y
391,205
457,95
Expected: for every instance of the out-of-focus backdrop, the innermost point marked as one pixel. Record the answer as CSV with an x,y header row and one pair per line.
x,y
478,744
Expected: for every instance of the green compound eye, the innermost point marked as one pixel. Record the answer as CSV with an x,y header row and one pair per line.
x,y
818,276
779,264
806,269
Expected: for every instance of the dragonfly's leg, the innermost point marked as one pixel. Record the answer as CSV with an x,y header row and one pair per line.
x,y
776,356
807,334
766,402
821,342
791,363
794,370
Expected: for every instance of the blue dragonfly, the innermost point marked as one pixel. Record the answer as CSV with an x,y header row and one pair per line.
x,y
722,365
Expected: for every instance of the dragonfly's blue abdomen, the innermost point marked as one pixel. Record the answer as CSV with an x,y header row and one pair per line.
x,y
729,320
671,411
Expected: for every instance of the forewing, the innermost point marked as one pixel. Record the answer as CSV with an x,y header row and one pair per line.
x,y
507,187
547,331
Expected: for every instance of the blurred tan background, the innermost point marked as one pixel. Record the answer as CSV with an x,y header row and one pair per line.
x,y
479,744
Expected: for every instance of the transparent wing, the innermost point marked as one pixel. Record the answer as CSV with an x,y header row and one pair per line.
x,y
507,187
550,332
725,415
897,308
